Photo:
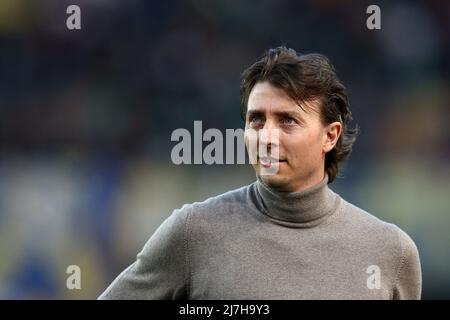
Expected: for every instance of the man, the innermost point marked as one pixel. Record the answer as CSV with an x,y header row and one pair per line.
x,y
287,235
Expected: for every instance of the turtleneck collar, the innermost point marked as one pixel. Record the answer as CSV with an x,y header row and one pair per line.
x,y
306,208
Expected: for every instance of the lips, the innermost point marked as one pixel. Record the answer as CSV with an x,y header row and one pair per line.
x,y
268,161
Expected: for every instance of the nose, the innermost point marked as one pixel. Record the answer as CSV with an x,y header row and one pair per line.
x,y
268,135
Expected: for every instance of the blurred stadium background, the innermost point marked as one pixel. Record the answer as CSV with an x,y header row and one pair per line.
x,y
86,118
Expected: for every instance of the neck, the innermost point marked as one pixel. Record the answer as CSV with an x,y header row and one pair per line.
x,y
305,208
304,184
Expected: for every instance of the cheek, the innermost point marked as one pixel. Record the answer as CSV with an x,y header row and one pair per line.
x,y
306,145
247,137
251,144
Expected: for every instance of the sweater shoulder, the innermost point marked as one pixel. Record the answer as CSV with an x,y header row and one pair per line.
x,y
396,249
216,205
363,219
368,224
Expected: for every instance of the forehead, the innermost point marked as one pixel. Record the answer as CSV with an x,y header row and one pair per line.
x,y
265,97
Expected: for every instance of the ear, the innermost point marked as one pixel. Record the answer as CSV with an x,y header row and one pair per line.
x,y
331,136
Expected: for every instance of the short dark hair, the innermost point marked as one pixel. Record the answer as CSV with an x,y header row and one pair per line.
x,y
305,77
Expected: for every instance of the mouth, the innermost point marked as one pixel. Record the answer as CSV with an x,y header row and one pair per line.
x,y
267,162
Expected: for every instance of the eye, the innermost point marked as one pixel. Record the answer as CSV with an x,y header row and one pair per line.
x,y
255,120
288,121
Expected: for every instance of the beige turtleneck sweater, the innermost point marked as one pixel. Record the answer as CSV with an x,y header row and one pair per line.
x,y
257,243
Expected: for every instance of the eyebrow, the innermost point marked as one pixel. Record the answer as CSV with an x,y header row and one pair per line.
x,y
287,113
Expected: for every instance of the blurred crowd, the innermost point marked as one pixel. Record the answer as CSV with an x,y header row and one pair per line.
x,y
86,118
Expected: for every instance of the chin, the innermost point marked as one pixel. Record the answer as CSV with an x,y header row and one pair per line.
x,y
276,181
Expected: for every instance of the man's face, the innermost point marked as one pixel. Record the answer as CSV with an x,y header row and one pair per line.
x,y
302,139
